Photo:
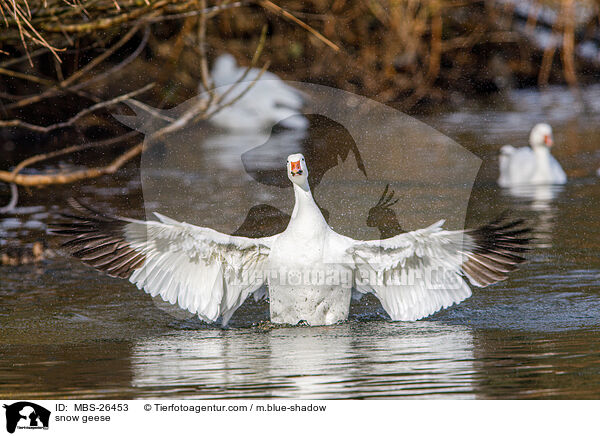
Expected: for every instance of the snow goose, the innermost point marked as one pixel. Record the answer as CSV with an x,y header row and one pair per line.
x,y
310,269
267,102
530,166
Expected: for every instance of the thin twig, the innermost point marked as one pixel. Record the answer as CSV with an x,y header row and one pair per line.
x,y
241,94
104,23
278,10
23,22
155,113
55,90
206,80
436,42
117,67
24,76
257,53
14,199
72,149
209,12
568,46
547,58
73,119
72,176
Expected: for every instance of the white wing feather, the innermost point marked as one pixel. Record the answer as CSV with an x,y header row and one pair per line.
x,y
200,269
413,274
203,271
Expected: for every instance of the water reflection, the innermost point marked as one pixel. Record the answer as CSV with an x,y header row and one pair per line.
x,y
540,201
353,360
229,149
533,366
541,196
87,370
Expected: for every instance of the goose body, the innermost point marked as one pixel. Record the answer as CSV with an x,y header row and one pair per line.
x,y
257,103
531,165
311,271
306,268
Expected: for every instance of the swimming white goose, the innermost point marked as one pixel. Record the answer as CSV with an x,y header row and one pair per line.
x,y
531,166
309,268
267,102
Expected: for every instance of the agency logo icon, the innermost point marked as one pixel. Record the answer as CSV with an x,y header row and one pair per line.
x,y
26,415
355,147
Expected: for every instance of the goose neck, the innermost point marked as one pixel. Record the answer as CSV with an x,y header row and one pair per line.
x,y
305,207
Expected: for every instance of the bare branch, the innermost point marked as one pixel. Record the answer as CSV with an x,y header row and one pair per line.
x,y
72,120
206,80
105,23
231,102
72,149
55,90
71,176
209,12
24,76
14,198
117,67
278,10
257,53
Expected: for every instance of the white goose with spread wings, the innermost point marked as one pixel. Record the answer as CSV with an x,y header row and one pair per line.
x,y
310,269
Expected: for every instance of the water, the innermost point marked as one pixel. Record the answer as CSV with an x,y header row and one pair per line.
x,y
69,332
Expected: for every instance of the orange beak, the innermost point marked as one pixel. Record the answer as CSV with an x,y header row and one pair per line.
x,y
548,140
295,168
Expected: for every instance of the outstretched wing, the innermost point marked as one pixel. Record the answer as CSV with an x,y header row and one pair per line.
x,y
415,274
203,271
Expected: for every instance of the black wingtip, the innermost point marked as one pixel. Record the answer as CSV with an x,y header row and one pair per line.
x,y
499,246
98,239
86,210
82,217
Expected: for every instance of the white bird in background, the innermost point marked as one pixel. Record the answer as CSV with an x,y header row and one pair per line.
x,y
531,166
266,102
310,269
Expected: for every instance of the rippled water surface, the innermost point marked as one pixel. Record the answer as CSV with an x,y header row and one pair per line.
x,y
67,331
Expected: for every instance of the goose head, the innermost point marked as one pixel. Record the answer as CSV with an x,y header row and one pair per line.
x,y
297,171
224,70
541,136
